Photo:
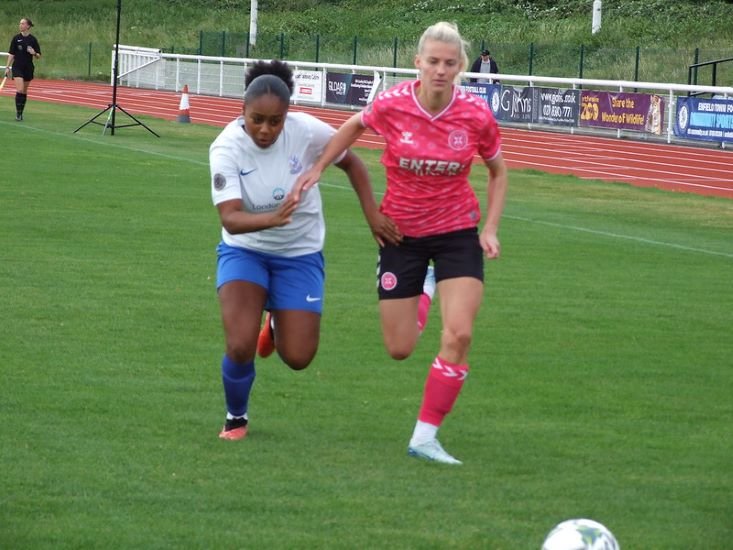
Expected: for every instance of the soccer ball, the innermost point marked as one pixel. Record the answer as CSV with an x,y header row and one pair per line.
x,y
580,534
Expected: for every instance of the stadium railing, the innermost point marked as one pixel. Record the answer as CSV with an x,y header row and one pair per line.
x,y
224,77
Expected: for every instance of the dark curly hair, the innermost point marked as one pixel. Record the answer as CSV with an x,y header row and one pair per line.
x,y
269,77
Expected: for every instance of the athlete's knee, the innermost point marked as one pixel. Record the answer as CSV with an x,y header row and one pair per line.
x,y
297,361
296,357
399,350
457,339
240,353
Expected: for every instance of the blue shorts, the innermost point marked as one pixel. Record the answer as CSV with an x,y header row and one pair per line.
x,y
291,283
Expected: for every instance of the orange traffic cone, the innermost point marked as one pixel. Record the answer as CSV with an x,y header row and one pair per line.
x,y
183,110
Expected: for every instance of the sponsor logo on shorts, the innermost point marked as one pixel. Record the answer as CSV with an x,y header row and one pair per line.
x,y
388,281
309,298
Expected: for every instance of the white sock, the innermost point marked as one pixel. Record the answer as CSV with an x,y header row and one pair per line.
x,y
423,433
230,416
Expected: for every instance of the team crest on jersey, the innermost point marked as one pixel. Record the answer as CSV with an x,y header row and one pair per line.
x,y
295,165
458,140
388,280
407,138
278,193
219,182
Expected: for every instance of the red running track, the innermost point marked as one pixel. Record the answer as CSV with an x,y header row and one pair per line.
x,y
680,168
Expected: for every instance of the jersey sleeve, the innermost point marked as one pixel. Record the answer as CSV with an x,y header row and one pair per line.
x,y
36,45
370,116
490,140
321,134
224,174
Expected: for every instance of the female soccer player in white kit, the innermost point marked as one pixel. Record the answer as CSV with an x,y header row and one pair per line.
x,y
433,130
270,255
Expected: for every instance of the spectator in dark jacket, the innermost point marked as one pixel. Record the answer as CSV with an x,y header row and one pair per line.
x,y
484,64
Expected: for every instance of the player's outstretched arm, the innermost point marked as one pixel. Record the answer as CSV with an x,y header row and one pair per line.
x,y
497,185
383,228
235,220
339,142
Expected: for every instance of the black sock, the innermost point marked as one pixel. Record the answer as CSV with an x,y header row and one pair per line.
x,y
20,102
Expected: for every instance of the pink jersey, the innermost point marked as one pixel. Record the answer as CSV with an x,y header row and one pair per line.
x,y
428,158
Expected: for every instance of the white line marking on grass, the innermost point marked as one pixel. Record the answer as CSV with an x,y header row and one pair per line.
x,y
619,236
345,188
111,144
587,230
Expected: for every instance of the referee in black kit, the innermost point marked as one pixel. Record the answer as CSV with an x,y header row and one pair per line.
x,y
24,48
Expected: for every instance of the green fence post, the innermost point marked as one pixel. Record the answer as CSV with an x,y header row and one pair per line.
x,y
89,70
201,42
636,65
356,39
394,52
580,67
531,57
246,48
282,45
697,60
318,47
223,42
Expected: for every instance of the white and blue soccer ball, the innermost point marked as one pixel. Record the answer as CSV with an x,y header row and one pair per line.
x,y
580,534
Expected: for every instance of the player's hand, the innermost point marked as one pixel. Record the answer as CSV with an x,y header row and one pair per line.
x,y
384,229
490,244
31,50
305,182
284,213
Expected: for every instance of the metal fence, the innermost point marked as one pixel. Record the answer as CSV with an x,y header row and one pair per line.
x,y
91,60
532,59
224,76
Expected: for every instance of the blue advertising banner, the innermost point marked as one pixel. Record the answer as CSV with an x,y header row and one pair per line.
x,y
704,119
555,106
484,91
512,104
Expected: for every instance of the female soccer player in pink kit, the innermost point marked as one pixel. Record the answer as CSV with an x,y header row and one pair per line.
x,y
433,130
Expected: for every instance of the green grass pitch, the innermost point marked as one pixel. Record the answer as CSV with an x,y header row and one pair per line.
x,y
600,378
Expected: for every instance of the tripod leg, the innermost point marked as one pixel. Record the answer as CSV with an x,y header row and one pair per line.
x,y
108,124
94,118
136,120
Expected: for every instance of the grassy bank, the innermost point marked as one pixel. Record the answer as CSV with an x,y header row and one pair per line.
x,y
647,40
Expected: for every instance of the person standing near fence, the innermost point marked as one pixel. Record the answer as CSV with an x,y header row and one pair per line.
x,y
484,64
270,255
433,130
23,50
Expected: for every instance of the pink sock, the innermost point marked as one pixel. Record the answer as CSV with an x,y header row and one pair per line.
x,y
423,308
442,387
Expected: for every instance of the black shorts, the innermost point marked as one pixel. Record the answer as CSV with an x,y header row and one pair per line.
x,y
24,71
401,269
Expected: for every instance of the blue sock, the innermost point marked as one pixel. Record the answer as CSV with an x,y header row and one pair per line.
x,y
238,380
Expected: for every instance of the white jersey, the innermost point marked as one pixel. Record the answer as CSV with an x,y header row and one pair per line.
x,y
261,178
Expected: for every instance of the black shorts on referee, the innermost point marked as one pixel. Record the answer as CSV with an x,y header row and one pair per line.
x,y
401,268
23,71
